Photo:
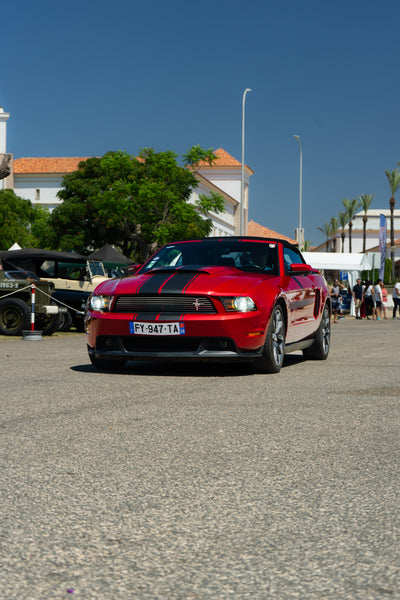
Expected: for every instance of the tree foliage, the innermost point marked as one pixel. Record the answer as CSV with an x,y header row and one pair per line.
x,y
136,204
21,222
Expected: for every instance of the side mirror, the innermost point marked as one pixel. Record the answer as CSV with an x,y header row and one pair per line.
x,y
131,269
300,268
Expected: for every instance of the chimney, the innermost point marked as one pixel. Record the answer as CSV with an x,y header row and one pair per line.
x,y
3,130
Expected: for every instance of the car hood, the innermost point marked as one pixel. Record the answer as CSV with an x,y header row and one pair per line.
x,y
202,281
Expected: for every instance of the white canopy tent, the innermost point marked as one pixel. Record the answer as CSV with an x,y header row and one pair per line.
x,y
338,261
349,262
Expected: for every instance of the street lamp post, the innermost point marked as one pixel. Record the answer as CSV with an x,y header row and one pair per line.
x,y
300,232
242,171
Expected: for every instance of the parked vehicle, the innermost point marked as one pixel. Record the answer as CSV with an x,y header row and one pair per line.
x,y
73,278
248,299
15,304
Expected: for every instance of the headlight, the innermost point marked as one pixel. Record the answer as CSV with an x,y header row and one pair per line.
x,y
100,303
239,304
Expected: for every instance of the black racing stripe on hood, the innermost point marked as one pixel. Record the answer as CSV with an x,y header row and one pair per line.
x,y
154,282
178,283
167,282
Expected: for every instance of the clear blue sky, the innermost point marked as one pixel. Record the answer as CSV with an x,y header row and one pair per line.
x,y
84,77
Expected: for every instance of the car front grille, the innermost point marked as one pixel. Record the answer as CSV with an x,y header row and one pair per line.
x,y
164,304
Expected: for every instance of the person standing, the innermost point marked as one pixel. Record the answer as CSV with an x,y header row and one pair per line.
x,y
384,300
369,298
335,296
378,299
358,296
396,299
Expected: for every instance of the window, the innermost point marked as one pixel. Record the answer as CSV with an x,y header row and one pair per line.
x,y
291,256
37,194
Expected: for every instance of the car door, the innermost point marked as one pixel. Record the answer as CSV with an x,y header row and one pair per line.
x,y
300,296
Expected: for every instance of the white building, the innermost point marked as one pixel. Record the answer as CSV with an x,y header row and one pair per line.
x,y
372,234
40,179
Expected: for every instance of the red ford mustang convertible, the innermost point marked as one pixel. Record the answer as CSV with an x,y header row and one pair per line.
x,y
230,298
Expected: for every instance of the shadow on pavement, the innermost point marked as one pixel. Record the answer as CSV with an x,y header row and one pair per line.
x,y
185,369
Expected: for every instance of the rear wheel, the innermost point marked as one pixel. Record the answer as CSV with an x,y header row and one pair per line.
x,y
273,353
49,324
320,348
15,316
65,321
102,364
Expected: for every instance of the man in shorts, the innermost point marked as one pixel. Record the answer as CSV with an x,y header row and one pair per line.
x,y
357,296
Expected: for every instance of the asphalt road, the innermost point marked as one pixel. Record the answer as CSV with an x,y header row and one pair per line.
x,y
194,483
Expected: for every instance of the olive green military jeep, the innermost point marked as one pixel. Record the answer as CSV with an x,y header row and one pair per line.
x,y
15,303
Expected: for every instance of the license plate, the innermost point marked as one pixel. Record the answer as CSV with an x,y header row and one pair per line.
x,y
140,328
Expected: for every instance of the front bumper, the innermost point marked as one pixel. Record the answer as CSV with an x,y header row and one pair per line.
x,y
114,347
228,336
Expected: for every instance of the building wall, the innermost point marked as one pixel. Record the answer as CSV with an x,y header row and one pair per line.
x,y
39,189
224,223
372,231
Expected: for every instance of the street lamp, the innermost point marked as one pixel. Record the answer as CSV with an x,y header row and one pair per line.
x,y
242,172
300,231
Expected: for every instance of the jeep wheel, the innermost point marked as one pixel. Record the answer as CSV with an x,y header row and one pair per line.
x,y
48,324
65,321
14,316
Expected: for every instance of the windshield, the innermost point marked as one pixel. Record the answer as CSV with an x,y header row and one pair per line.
x,y
96,267
243,255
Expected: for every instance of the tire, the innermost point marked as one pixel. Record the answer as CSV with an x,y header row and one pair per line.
x,y
65,321
15,316
49,324
320,348
273,353
102,364
79,323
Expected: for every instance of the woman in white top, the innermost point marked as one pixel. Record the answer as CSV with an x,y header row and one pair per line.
x,y
378,298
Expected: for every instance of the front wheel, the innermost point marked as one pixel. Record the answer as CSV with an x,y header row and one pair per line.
x,y
14,316
271,360
320,348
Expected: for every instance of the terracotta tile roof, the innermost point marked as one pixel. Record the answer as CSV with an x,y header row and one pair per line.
x,y
224,159
261,231
47,165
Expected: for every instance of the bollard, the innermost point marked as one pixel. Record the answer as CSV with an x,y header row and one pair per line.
x,y
32,334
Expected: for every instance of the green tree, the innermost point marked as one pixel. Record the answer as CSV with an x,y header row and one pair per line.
x,y
365,202
394,183
19,221
342,218
326,230
351,207
334,223
137,204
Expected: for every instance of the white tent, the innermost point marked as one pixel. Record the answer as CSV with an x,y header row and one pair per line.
x,y
338,261
349,262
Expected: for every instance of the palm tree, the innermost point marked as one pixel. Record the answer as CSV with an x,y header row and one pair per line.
x,y
365,202
326,230
351,207
343,222
306,245
334,223
394,182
